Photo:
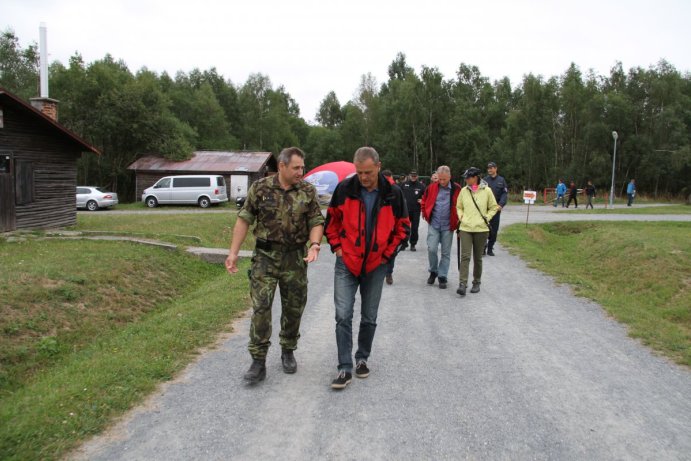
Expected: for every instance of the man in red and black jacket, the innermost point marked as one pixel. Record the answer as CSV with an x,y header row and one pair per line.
x,y
439,210
366,223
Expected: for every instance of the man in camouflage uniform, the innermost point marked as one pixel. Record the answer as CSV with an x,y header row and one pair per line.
x,y
289,228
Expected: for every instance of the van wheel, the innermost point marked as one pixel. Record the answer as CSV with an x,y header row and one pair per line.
x,y
151,202
91,205
204,202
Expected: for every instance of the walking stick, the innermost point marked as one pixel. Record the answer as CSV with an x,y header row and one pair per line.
x,y
458,250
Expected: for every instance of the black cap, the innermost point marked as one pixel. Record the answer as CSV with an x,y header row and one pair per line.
x,y
491,165
472,171
413,173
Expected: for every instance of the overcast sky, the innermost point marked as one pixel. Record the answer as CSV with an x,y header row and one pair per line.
x,y
313,47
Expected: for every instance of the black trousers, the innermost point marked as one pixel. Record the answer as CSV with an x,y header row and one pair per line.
x,y
575,200
494,230
414,224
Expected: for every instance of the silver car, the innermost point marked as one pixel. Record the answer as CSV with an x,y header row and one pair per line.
x,y
93,198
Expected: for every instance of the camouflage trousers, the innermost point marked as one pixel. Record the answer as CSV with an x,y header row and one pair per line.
x,y
289,271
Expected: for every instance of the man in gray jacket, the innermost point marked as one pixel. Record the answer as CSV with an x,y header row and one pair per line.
x,y
501,194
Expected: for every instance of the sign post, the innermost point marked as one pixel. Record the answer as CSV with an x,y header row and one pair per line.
x,y
529,197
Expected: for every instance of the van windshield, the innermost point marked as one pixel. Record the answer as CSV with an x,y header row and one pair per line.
x,y
163,183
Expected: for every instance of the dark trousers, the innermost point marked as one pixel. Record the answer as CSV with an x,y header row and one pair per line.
x,y
494,230
414,224
575,200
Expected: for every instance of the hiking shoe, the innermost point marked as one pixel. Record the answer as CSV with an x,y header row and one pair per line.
x,y
257,372
461,289
342,380
361,370
432,277
490,252
290,366
484,251
389,279
442,283
476,287
412,248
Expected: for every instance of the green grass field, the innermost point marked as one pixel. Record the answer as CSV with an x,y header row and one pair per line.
x,y
640,272
89,328
212,230
635,209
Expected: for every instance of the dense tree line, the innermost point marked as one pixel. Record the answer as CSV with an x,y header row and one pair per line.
x,y
538,131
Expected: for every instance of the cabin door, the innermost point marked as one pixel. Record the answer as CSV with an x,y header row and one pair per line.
x,y
8,219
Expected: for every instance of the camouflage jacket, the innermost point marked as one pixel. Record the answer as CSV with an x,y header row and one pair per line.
x,y
282,216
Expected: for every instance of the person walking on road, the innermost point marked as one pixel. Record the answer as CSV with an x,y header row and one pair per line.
x,y
631,192
476,206
412,191
561,192
366,223
590,194
573,194
501,194
288,232
392,262
439,210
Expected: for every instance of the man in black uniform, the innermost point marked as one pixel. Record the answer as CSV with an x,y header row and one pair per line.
x,y
501,194
412,192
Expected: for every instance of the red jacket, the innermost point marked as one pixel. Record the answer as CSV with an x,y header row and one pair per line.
x,y
429,198
345,225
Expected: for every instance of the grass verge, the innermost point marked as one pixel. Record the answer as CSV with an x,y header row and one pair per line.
x,y
90,328
195,229
667,209
640,272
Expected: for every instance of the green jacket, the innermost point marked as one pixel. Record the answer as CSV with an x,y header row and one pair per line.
x,y
470,219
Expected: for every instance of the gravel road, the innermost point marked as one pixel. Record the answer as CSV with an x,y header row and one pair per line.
x,y
522,370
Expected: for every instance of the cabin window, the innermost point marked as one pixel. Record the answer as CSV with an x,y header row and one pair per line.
x,y
5,162
24,182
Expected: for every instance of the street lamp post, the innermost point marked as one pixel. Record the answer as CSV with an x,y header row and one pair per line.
x,y
614,162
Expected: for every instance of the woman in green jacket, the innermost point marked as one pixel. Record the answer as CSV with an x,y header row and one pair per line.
x,y
476,206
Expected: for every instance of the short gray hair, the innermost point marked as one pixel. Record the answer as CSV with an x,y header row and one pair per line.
x,y
443,169
287,154
364,153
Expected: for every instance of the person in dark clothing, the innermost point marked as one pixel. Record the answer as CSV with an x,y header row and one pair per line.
x,y
412,192
392,262
590,193
501,194
573,194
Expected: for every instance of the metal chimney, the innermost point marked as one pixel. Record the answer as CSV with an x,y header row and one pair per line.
x,y
43,103
44,59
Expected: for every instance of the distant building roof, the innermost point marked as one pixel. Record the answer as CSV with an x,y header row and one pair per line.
x,y
209,161
14,101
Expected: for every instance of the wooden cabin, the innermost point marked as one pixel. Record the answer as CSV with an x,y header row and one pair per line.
x,y
240,169
38,165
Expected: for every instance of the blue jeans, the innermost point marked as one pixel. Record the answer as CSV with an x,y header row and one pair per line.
x,y
345,287
434,238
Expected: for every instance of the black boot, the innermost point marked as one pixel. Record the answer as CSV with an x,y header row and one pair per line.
x,y
289,364
257,371
432,278
442,283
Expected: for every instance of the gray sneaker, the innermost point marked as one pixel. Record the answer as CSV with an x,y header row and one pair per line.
x,y
476,287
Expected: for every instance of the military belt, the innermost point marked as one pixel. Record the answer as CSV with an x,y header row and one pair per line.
x,y
268,245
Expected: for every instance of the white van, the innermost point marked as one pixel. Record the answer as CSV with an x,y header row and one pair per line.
x,y
202,190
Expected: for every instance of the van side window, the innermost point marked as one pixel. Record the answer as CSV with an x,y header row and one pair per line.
x,y
220,182
162,183
191,182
